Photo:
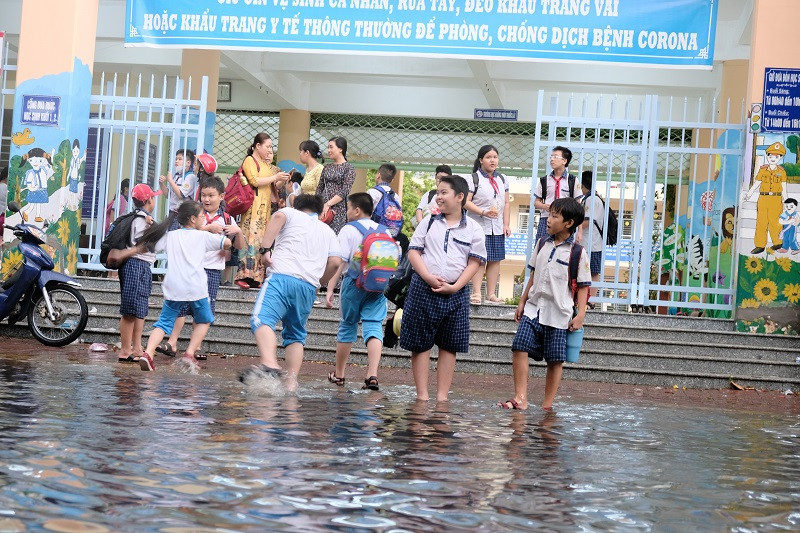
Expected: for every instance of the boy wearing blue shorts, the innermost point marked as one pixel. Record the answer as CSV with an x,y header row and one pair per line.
x,y
357,304
136,278
300,252
546,314
446,250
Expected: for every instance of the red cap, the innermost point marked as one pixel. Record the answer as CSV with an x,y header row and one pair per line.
x,y
208,162
143,192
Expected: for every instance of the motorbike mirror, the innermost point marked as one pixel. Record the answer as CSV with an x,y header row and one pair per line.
x,y
14,207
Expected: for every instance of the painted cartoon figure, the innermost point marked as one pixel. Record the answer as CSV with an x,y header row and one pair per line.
x,y
73,175
790,219
770,184
728,226
35,181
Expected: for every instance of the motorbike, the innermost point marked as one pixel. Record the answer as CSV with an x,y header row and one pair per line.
x,y
56,310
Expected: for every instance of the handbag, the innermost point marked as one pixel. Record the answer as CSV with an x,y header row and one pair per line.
x,y
331,214
239,196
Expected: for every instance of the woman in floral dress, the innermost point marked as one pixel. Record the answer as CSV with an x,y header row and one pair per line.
x,y
336,181
268,181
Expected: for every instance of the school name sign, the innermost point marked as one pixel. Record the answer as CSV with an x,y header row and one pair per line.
x,y
678,32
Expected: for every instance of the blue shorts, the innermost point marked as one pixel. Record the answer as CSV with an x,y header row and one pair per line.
x,y
495,247
368,307
136,283
541,342
174,224
430,318
541,230
284,299
213,277
201,311
595,262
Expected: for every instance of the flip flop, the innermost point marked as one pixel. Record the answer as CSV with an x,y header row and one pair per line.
x,y
475,299
514,405
243,285
166,349
130,359
200,356
493,300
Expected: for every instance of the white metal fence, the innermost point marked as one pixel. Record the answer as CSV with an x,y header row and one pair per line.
x,y
669,168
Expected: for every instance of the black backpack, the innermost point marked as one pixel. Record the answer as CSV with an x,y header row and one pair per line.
x,y
613,224
118,237
476,179
570,182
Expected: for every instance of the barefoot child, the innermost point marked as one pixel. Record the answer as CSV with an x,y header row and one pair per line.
x,y
218,222
547,314
446,251
185,282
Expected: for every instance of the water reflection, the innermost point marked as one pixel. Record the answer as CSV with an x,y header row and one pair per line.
x,y
93,444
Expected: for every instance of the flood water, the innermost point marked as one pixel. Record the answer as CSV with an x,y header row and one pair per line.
x,y
92,445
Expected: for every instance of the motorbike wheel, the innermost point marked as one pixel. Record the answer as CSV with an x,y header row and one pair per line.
x,y
71,313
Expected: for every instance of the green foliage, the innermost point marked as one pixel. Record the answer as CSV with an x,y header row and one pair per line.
x,y
792,143
61,160
792,170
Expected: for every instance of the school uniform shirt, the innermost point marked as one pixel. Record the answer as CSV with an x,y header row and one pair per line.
x,y
550,296
431,207
486,195
446,250
592,239
186,251
138,226
350,239
563,188
303,246
215,260
187,184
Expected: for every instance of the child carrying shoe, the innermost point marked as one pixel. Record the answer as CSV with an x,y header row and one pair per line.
x,y
185,281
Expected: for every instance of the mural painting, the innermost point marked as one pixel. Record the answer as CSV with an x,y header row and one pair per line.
x,y
768,294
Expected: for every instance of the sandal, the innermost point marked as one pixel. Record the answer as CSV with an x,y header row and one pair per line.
x,y
243,284
371,383
494,300
475,299
510,404
166,349
199,356
339,382
130,359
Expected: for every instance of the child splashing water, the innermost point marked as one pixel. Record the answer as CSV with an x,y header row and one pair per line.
x,y
185,281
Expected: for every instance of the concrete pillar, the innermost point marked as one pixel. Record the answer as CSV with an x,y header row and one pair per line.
x,y
294,128
397,184
51,119
767,281
195,64
360,184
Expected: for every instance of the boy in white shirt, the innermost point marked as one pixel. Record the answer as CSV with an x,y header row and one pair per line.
x,y
545,311
217,221
300,252
357,304
182,185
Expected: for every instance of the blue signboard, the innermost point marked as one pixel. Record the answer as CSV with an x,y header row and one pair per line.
x,y
678,32
40,110
517,245
781,100
509,115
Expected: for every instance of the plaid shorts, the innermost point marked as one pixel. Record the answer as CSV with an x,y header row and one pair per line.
x,y
541,229
213,277
495,247
135,282
435,319
540,341
595,264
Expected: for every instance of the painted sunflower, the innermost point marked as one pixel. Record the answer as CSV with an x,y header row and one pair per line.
x,y
63,231
785,263
792,292
10,263
765,291
754,265
750,303
72,258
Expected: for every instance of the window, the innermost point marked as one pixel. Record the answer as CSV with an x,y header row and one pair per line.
x,y
522,218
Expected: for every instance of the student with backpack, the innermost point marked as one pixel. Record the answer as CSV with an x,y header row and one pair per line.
x,y
370,256
558,184
445,254
181,184
427,204
218,222
553,303
135,275
591,234
488,205
387,210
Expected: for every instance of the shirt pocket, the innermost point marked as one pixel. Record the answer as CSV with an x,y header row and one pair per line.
x,y
462,244
559,270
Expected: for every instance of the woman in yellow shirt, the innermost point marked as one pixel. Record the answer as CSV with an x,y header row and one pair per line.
x,y
267,180
309,154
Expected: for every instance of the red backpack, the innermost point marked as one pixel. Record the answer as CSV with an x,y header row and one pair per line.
x,y
239,195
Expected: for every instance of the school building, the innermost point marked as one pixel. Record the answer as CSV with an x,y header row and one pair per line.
x,y
674,124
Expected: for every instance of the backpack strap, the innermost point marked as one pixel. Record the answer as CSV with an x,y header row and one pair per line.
x,y
543,181
583,203
574,263
226,218
431,194
571,182
475,180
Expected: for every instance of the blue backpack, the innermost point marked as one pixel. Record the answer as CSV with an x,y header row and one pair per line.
x,y
375,260
388,211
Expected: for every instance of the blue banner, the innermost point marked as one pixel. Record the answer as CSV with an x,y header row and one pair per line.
x,y
781,100
678,32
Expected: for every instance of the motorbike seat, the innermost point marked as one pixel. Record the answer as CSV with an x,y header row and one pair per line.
x,y
7,284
